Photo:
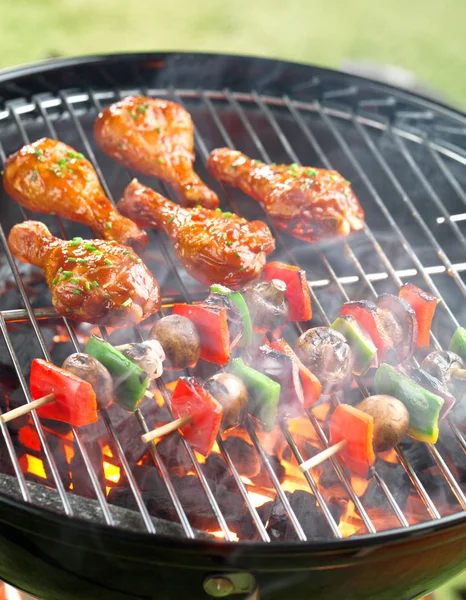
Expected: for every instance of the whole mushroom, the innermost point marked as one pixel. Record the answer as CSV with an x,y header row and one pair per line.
x,y
391,420
232,394
326,353
91,370
179,339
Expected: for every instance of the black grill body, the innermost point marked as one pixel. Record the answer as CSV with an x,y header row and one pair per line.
x,y
406,159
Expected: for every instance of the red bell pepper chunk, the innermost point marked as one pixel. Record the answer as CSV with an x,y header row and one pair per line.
x,y
312,387
365,313
75,401
211,322
424,306
190,398
297,291
357,428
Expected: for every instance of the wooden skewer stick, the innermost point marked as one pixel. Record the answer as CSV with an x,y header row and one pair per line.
x,y
26,408
166,429
322,456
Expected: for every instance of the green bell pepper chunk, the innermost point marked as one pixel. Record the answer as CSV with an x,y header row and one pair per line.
x,y
362,347
423,406
458,343
130,382
242,307
263,393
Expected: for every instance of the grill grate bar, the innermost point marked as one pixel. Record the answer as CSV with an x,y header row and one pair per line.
x,y
44,443
349,252
155,455
277,234
246,123
86,460
435,455
290,513
6,434
447,474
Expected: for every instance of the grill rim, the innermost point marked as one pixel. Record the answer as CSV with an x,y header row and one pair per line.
x,y
373,540
106,59
366,542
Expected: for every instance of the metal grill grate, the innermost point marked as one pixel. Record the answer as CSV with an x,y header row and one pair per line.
x,y
410,232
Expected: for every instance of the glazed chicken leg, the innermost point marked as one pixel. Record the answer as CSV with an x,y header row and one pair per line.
x,y
307,203
91,280
51,177
214,246
154,137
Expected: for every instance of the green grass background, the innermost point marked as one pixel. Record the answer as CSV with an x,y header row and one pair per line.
x,y
426,37
423,36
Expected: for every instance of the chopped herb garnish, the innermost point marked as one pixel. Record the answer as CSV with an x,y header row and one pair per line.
x,y
74,280
126,252
90,247
108,225
229,243
88,286
71,259
161,161
107,296
97,252
76,242
233,166
38,152
159,129
237,254
108,262
60,269
333,178
241,269
171,219
133,114
227,214
77,292
68,309
257,162
273,164
95,284
34,175
58,173
41,158
139,261
218,210
348,182
54,280
142,109
224,236
311,172
76,155
294,166
243,220
133,257
346,192
127,302
83,261
198,205
87,178
62,163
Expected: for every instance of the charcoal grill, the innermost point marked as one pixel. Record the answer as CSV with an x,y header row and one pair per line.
x,y
406,158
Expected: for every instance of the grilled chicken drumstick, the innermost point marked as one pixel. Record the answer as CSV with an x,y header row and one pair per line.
x,y
307,203
91,280
154,137
214,246
51,177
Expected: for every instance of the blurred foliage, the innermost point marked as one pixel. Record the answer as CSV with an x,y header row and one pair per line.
x,y
425,37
